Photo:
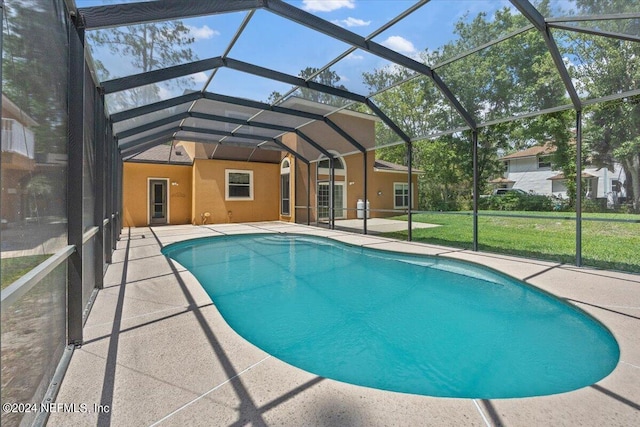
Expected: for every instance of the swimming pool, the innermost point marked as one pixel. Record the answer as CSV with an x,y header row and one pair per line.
x,y
398,322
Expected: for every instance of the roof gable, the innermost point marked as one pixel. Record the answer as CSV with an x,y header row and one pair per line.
x,y
535,151
165,154
384,166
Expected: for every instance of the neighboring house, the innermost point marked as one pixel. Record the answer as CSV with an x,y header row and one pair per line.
x,y
196,183
18,159
530,170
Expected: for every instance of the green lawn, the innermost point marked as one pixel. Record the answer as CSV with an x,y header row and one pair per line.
x,y
609,245
11,269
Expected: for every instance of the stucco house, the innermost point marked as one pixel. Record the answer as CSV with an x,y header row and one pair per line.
x,y
187,182
531,170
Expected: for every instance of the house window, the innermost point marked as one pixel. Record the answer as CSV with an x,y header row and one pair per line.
x,y
285,187
616,186
544,162
324,166
400,195
238,184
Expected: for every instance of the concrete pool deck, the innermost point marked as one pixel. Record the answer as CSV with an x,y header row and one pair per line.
x,y
378,225
157,352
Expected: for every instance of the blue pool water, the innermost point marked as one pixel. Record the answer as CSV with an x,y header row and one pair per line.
x,y
413,324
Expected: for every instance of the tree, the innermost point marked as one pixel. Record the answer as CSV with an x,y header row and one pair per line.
x,y
31,44
325,77
444,185
515,76
612,134
604,66
149,46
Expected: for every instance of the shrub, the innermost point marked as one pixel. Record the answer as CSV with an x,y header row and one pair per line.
x,y
598,205
536,202
513,201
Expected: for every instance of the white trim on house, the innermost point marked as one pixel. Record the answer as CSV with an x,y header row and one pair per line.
x,y
400,172
327,171
285,171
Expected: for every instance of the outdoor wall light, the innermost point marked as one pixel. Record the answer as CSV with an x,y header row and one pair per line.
x,y
379,193
174,183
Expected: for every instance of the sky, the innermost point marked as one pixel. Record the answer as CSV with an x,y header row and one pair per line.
x,y
273,42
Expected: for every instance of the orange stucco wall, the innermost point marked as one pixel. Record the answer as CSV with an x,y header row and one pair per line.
x,y
206,189
383,182
363,131
378,182
135,189
209,192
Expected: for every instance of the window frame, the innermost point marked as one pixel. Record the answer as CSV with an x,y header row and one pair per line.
x,y
227,197
340,169
544,162
285,171
405,185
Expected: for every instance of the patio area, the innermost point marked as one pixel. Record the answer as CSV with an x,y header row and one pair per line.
x,y
156,351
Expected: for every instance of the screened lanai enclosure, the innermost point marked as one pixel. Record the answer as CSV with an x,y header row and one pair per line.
x,y
520,118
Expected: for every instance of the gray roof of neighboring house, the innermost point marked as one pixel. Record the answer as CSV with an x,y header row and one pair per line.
x,y
560,176
501,180
384,166
168,154
535,151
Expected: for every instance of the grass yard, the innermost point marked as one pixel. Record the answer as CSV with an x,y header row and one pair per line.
x,y
608,245
11,269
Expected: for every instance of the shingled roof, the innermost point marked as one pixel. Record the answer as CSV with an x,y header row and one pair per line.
x,y
384,166
167,154
535,151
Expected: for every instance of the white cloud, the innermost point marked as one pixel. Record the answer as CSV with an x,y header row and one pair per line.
x,y
202,33
351,22
200,77
166,93
327,5
400,44
354,57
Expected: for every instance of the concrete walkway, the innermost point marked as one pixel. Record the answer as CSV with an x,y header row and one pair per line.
x,y
157,352
379,225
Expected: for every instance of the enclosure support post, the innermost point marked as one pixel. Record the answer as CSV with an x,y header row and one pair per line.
x,y
108,141
476,190
366,207
315,201
120,194
98,212
1,44
308,193
410,192
332,195
114,190
74,183
579,188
